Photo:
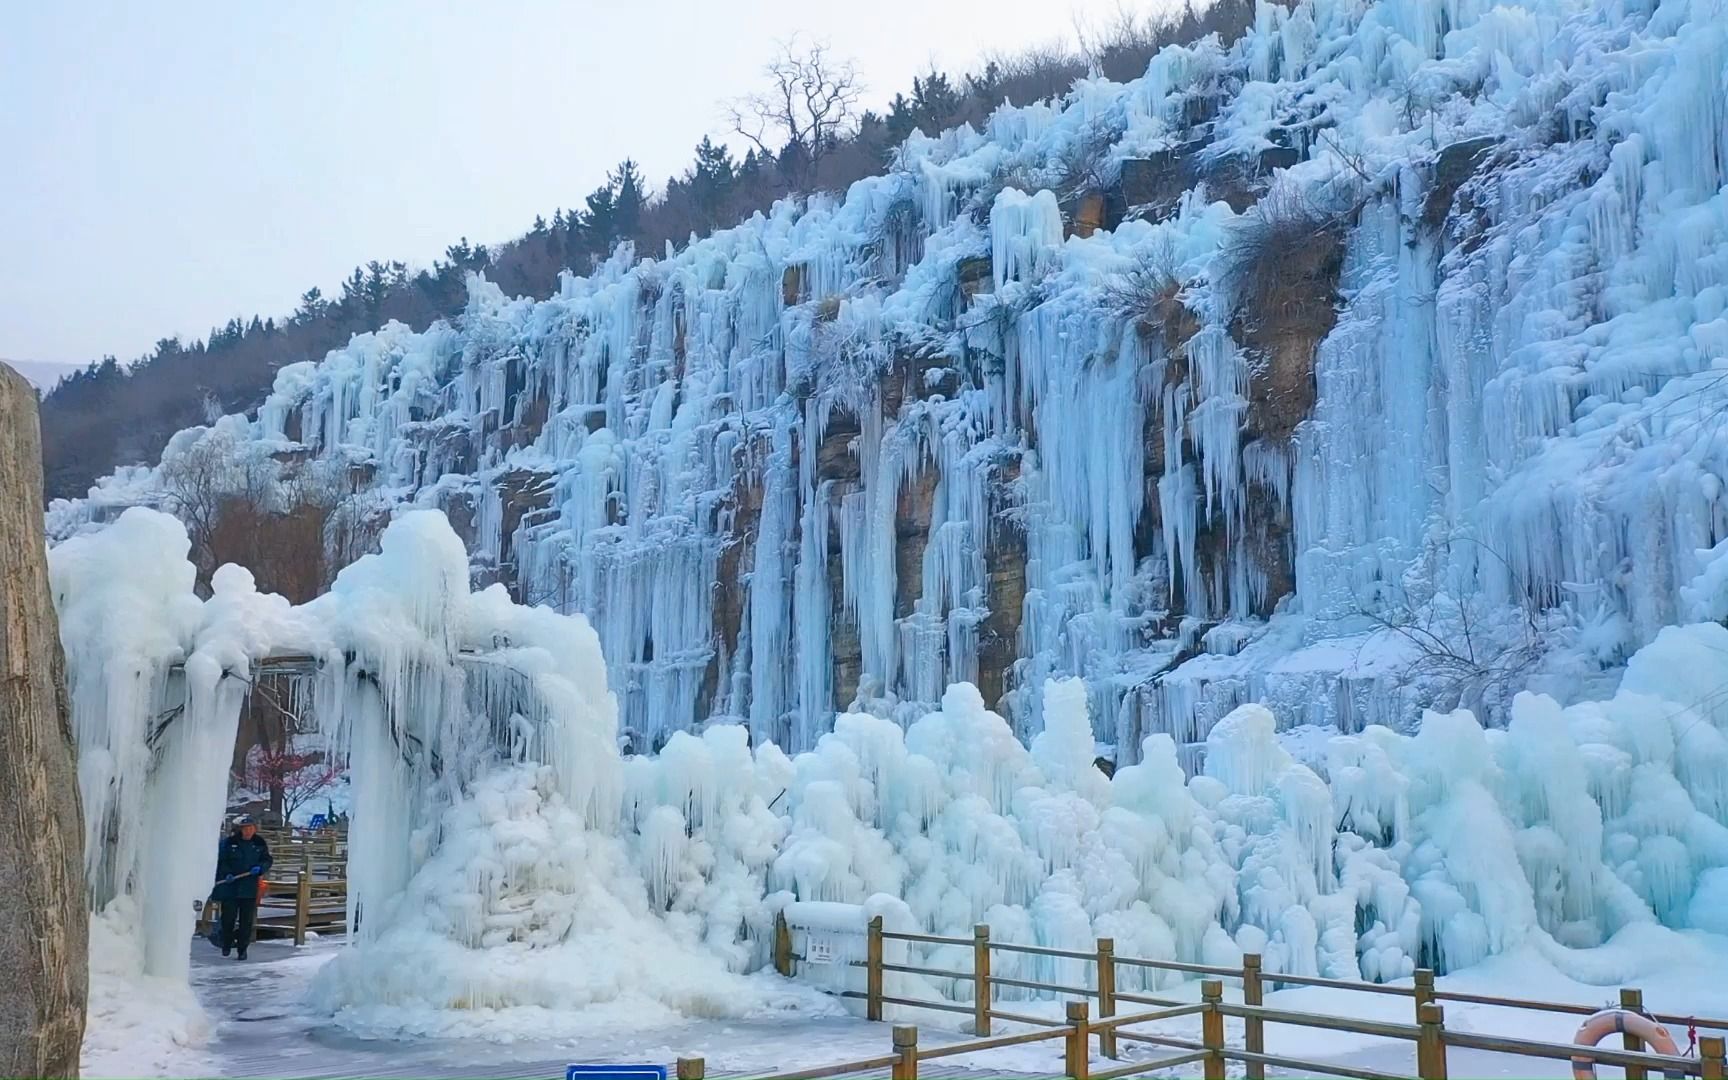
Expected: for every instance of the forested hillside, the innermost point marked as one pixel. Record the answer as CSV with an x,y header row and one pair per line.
x,y
115,413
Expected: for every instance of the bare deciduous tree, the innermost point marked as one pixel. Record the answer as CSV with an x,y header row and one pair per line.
x,y
246,508
811,102
195,482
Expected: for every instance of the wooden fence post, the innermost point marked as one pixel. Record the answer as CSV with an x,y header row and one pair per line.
x,y
1633,1000
1253,1028
1212,1028
873,975
782,945
1107,994
302,906
1424,982
1431,1042
981,980
1077,1053
692,1068
1710,1055
905,1053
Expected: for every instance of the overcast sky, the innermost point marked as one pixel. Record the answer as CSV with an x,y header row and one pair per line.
x,y
164,167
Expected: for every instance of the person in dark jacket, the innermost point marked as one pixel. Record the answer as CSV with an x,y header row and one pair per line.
x,y
241,862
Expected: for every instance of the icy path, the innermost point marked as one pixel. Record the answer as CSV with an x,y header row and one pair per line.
x,y
262,1029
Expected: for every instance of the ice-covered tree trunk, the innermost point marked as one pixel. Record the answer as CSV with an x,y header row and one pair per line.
x,y
43,936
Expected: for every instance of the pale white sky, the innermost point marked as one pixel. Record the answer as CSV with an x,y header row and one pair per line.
x,y
164,167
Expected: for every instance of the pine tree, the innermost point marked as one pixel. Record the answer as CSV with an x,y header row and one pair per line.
x,y
353,302
986,85
936,101
599,224
712,179
312,305
377,286
628,200
902,118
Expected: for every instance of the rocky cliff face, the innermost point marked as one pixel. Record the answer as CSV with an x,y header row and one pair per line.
x,y
1363,364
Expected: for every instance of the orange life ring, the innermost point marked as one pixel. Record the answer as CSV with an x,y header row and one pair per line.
x,y
1609,1021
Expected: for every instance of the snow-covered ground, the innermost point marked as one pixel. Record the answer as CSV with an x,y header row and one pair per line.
x,y
259,1024
137,1024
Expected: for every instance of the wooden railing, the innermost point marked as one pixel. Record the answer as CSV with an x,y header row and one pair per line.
x,y
320,881
1428,1034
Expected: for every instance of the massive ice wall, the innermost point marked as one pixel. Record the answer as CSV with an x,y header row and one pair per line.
x,y
510,866
1050,398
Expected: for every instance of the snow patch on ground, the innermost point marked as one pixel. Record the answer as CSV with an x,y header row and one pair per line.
x,y
137,1024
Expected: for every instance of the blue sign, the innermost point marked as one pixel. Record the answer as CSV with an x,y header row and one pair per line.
x,y
615,1072
318,822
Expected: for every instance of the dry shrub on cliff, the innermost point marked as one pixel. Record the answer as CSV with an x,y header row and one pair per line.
x,y
1283,261
1150,296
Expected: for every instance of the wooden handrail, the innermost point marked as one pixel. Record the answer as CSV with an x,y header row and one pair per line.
x,y
1135,1068
1278,1061
935,972
1561,1007
1429,1033
1147,1018
1031,984
994,1043
1518,1003
1160,1040
1407,1032
1602,1055
841,1069
1694,1021
1042,950
1178,965
1142,999
939,1006
928,939
1018,1018
1341,984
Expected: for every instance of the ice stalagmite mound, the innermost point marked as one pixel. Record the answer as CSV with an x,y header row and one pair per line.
x,y
1385,851
155,705
493,887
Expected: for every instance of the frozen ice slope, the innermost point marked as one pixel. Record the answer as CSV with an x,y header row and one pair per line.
x,y
1408,312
